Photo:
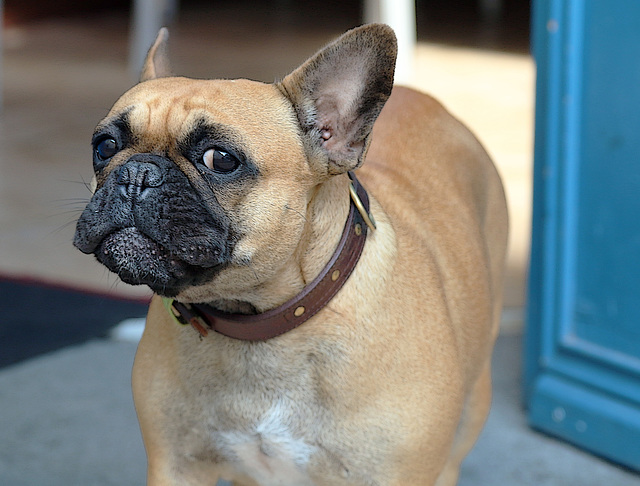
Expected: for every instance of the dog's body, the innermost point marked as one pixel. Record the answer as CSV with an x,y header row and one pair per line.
x,y
389,384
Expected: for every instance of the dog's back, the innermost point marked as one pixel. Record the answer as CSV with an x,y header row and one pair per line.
x,y
437,183
447,206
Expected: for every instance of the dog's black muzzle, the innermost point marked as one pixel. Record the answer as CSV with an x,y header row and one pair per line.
x,y
150,226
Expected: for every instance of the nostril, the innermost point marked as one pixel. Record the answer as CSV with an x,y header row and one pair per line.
x,y
153,177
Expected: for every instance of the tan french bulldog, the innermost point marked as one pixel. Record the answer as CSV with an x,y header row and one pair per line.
x,y
233,201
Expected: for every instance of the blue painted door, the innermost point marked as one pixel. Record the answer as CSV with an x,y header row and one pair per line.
x,y
582,373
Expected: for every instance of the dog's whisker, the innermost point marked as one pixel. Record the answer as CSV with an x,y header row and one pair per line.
x,y
75,211
78,203
83,182
255,274
114,283
62,227
71,199
295,211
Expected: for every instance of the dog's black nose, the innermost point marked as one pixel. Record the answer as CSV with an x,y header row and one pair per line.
x,y
140,174
136,175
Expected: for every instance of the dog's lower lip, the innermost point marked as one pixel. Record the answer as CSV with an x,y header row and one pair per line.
x,y
139,260
131,243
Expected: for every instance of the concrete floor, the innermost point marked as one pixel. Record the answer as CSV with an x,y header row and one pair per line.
x,y
61,77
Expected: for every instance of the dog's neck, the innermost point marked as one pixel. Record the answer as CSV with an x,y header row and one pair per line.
x,y
325,217
313,297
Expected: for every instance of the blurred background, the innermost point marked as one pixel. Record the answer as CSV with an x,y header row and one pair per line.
x,y
67,415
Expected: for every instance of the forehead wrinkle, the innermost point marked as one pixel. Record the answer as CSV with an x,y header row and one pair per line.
x,y
149,123
169,115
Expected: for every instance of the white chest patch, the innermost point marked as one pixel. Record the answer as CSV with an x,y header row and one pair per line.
x,y
270,455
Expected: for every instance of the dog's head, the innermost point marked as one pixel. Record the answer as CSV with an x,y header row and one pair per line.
x,y
202,186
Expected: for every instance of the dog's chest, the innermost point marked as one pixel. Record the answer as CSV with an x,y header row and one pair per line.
x,y
259,411
268,453
256,416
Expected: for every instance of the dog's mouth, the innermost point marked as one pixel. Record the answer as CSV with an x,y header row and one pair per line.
x,y
139,260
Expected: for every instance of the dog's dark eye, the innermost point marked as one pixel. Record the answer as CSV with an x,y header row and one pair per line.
x,y
220,161
106,149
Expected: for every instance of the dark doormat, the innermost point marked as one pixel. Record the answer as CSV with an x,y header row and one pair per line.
x,y
37,317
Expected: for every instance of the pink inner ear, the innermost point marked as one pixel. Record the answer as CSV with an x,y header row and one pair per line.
x,y
338,94
335,133
330,122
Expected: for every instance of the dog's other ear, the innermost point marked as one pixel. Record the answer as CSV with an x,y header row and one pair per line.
x,y
339,92
156,65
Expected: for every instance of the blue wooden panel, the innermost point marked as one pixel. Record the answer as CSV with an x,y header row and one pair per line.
x,y
583,330
607,306
586,417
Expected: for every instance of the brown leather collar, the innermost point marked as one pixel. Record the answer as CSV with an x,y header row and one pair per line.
x,y
315,296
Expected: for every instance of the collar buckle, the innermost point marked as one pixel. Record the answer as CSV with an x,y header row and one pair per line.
x,y
366,215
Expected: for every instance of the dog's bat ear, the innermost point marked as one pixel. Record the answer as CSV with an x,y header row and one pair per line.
x,y
339,92
156,65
